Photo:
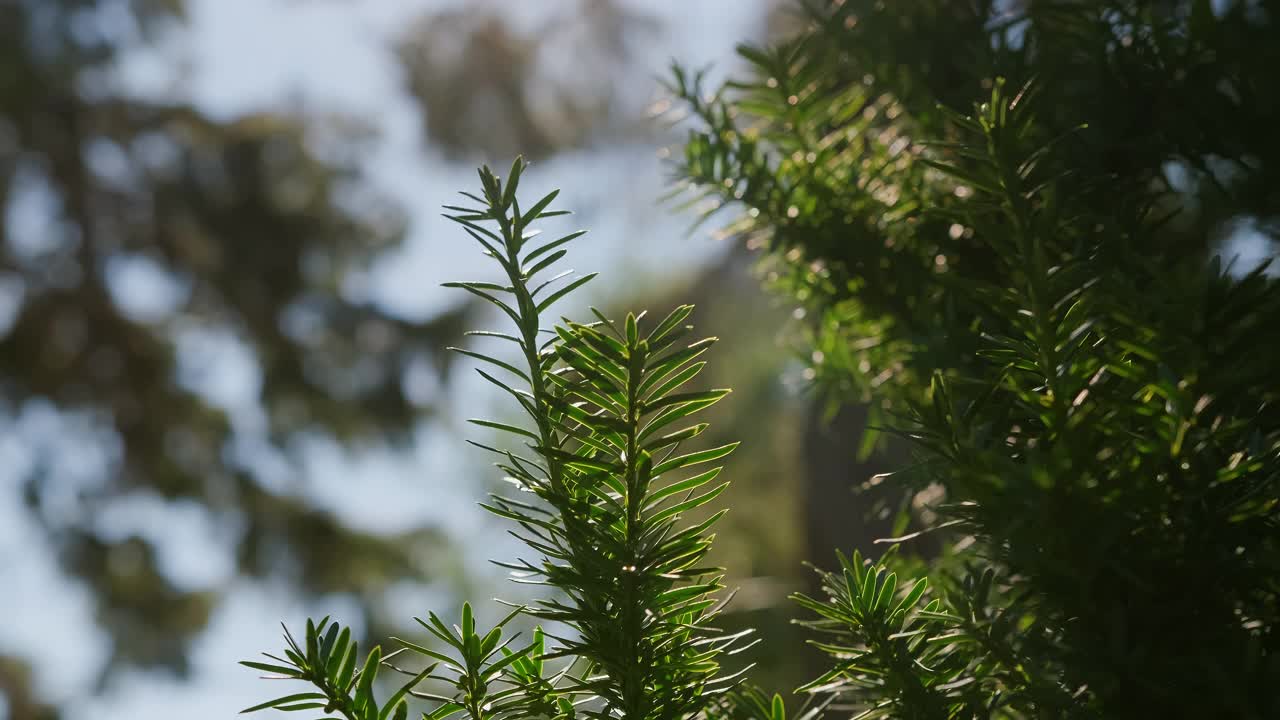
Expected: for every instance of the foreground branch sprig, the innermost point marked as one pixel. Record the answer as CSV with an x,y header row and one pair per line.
x,y
614,513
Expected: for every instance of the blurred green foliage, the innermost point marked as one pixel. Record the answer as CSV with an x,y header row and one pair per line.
x,y
246,217
491,86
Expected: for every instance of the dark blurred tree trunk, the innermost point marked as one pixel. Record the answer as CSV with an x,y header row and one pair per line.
x,y
841,511
837,517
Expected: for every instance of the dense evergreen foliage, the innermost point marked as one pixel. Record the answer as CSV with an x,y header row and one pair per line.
x,y
1006,220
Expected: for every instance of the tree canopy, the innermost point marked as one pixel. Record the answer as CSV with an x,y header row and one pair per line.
x,y
242,222
1007,220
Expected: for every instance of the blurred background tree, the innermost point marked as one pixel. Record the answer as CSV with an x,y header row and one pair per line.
x,y
489,87
239,231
